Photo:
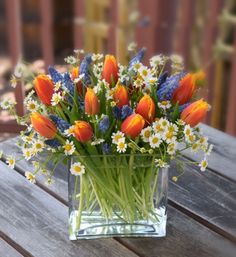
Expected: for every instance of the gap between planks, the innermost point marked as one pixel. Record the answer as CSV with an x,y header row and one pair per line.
x,y
175,205
14,245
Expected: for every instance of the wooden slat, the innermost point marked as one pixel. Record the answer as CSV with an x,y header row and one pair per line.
x,y
46,7
79,20
38,222
7,251
13,16
10,126
231,105
184,29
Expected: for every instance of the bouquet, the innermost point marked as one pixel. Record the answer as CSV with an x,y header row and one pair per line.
x,y
117,127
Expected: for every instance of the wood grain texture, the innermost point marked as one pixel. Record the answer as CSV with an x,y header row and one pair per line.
x,y
7,251
38,222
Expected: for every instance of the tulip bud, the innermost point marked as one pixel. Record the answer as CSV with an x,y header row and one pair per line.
x,y
121,96
110,70
146,108
83,131
44,88
91,103
44,126
184,92
195,112
133,125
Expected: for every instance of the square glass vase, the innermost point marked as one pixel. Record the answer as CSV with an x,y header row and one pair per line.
x,y
117,196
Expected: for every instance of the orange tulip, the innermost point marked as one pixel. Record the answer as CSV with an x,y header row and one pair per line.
x,y
133,125
121,96
195,112
44,126
83,131
146,108
75,73
44,88
184,92
110,70
91,103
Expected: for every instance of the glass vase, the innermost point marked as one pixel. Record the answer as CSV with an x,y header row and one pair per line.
x,y
117,195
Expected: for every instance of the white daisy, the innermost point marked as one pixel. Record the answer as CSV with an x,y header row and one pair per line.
x,y
164,123
203,164
19,70
70,131
180,122
195,147
171,148
157,127
69,147
28,153
169,136
116,137
155,140
32,105
30,176
13,81
70,60
190,138
77,169
121,146
164,105
56,98
38,146
57,86
146,133
209,149
97,57
138,83
137,66
157,60
187,130
161,164
7,104
11,161
132,46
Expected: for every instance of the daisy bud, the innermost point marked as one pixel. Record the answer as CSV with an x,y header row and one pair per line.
x,y
44,88
44,126
83,131
133,125
110,70
91,103
121,96
146,108
187,86
195,112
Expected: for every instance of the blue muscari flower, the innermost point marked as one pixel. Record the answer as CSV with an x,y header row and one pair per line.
x,y
55,75
81,103
116,112
54,143
137,58
183,106
126,111
68,83
168,87
61,124
84,68
106,148
162,79
104,124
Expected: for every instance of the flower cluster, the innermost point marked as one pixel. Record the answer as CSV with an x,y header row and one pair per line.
x,y
101,107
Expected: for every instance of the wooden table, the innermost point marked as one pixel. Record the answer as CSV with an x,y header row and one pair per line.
x,y
201,214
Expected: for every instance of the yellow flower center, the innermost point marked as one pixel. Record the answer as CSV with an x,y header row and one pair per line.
x,y
155,140
121,145
77,169
68,147
147,133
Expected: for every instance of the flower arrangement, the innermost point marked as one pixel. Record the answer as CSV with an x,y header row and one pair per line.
x,y
99,107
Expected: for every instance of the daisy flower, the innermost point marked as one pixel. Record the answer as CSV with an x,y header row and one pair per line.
x,y
157,127
164,105
77,169
207,152
146,133
116,137
137,66
190,138
11,161
171,148
7,104
70,60
97,141
57,86
69,148
70,131
155,140
161,164
157,60
38,146
32,105
56,98
164,123
121,146
203,164
13,81
30,176
194,147
169,136
132,47
138,83
27,153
